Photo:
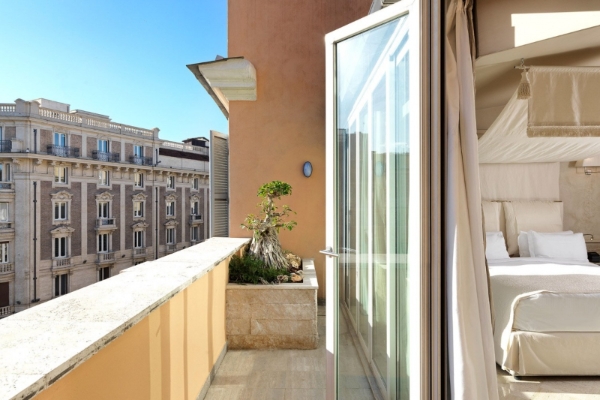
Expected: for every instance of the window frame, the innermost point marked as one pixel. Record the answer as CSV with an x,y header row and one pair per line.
x,y
172,239
196,184
58,176
105,247
171,182
4,204
61,288
103,177
138,180
58,135
100,143
4,252
140,204
136,153
170,208
65,210
58,239
138,239
196,229
103,273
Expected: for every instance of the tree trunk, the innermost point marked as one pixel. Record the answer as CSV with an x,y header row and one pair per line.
x,y
268,249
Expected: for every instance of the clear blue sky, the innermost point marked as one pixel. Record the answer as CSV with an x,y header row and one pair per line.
x,y
126,59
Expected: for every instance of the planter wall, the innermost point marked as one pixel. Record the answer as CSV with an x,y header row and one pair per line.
x,y
280,316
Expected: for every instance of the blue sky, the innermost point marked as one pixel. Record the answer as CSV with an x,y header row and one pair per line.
x,y
126,59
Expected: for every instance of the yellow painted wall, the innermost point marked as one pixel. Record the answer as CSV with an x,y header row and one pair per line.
x,y
272,137
167,355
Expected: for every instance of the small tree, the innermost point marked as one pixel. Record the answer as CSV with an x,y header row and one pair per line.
x,y
265,240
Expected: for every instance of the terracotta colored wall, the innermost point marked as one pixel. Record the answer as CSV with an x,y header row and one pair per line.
x,y
167,355
272,137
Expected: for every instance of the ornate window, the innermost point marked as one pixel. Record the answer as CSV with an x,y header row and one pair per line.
x,y
61,174
61,238
138,179
170,202
195,233
170,235
104,242
103,177
139,235
61,284
139,201
61,207
171,182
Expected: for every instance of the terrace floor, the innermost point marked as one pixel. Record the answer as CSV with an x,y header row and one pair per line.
x,y
548,388
280,374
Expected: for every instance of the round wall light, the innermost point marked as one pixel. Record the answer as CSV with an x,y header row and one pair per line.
x,y
307,169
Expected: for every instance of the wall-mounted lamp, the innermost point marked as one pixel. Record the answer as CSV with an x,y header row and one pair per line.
x,y
589,165
590,235
307,169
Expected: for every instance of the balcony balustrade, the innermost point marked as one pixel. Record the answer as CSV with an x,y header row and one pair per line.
x,y
140,160
5,225
61,262
6,311
106,222
106,156
171,248
6,185
5,146
195,219
6,268
105,257
139,252
63,151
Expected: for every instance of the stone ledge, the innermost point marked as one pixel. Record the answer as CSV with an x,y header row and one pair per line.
x,y
43,343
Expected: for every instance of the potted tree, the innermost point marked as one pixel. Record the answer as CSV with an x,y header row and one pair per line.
x,y
282,314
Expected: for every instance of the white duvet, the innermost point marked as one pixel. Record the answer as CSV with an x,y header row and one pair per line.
x,y
542,295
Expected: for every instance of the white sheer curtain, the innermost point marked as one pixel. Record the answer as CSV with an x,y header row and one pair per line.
x,y
470,340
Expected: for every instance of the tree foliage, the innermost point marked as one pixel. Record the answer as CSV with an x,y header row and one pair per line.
x,y
265,226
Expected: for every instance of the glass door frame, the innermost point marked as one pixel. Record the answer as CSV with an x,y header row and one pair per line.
x,y
425,23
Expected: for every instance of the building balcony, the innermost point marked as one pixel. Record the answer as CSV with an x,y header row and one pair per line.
x,y
195,219
139,252
6,268
106,223
106,156
140,160
171,248
5,146
105,258
6,185
61,262
63,151
6,311
4,226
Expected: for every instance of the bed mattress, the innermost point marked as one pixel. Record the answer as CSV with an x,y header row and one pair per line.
x,y
542,295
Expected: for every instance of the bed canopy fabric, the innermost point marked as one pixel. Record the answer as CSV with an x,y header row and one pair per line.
x,y
559,122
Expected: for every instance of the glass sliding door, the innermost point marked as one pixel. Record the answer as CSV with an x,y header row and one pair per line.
x,y
374,182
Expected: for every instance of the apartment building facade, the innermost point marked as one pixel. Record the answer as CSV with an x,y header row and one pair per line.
x,y
82,198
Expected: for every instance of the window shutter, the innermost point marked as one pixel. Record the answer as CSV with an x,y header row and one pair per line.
x,y
219,184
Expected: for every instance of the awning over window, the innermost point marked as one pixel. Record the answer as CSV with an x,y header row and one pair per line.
x,y
227,79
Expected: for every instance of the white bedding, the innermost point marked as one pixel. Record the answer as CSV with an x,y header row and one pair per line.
x,y
541,295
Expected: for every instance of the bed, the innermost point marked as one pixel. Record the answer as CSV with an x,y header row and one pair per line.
x,y
545,295
547,316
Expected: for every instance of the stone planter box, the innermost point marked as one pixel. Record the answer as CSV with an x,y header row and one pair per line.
x,y
280,316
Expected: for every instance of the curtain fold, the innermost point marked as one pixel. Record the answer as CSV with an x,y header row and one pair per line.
x,y
470,339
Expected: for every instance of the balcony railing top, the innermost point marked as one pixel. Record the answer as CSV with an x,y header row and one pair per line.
x,y
63,151
6,311
61,262
185,147
106,156
140,160
64,335
108,256
6,268
104,222
81,118
195,218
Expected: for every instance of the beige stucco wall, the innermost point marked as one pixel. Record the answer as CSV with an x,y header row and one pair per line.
x,y
272,137
167,355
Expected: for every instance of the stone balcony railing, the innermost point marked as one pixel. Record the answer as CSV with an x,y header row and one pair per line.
x,y
106,222
185,147
62,262
107,257
171,248
6,311
6,268
157,330
4,225
139,252
78,118
195,219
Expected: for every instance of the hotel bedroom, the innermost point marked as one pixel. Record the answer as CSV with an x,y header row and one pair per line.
x,y
538,121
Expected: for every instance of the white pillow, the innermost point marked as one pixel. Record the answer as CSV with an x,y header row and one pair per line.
x,y
495,247
539,216
524,243
563,247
